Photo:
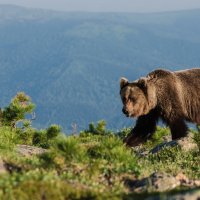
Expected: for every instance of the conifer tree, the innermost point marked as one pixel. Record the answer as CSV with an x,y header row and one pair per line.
x,y
17,110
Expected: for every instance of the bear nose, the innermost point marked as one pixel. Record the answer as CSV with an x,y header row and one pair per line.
x,y
124,111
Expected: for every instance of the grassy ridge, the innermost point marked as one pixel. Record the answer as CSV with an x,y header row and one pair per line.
x,y
91,165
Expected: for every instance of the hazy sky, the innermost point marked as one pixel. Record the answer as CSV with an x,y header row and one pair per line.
x,y
108,5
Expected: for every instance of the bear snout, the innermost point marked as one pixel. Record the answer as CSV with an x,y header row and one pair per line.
x,y
125,112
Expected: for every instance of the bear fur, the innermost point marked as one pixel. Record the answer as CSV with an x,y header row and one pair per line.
x,y
173,97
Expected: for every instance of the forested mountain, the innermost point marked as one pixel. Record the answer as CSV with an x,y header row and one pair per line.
x,y
71,63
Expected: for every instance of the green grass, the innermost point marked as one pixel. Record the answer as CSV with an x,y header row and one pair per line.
x,y
92,165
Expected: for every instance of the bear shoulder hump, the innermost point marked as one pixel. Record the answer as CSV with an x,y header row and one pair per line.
x,y
159,73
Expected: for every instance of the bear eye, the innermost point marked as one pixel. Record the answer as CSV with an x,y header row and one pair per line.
x,y
133,99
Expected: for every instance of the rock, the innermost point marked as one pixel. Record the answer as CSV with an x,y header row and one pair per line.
x,y
2,166
175,195
157,182
187,195
8,167
186,144
12,167
161,182
26,150
140,151
186,182
23,150
163,145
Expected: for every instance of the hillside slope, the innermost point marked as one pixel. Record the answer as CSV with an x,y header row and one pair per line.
x,y
47,164
70,63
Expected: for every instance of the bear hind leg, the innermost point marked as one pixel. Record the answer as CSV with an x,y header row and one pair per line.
x,y
178,129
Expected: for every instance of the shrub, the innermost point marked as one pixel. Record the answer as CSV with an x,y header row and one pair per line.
x,y
158,137
123,133
25,136
44,138
40,139
20,105
197,138
8,138
98,129
53,131
70,149
111,149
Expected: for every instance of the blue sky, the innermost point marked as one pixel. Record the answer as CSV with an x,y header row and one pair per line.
x,y
109,5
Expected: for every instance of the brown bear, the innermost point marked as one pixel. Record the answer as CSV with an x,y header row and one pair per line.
x,y
173,97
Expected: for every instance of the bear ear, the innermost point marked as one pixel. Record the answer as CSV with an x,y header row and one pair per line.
x,y
142,83
123,82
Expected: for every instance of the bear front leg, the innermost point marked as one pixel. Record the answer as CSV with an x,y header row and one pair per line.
x,y
178,129
144,128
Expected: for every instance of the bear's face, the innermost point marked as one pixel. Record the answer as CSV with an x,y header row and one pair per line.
x,y
134,100
138,97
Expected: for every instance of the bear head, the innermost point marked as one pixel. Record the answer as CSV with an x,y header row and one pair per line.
x,y
138,97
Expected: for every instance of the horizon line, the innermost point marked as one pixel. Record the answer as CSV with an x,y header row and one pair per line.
x,y
89,11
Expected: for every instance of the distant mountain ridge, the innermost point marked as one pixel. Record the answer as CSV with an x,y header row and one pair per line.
x,y
71,63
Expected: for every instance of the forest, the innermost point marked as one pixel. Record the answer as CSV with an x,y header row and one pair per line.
x,y
71,63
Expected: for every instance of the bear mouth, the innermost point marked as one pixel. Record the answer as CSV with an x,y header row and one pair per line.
x,y
129,115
